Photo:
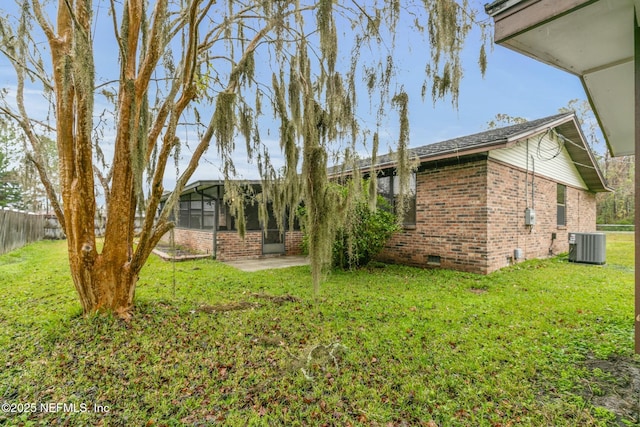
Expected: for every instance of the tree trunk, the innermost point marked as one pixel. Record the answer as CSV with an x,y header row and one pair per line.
x,y
104,285
104,281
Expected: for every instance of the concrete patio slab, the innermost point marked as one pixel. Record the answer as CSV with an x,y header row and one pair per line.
x,y
268,263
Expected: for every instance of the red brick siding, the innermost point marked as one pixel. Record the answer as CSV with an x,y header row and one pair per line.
x,y
507,203
471,215
199,240
293,242
230,245
451,220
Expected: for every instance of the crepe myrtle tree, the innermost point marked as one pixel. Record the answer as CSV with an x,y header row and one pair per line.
x,y
210,69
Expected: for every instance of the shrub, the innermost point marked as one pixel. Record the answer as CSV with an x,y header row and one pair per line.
x,y
364,234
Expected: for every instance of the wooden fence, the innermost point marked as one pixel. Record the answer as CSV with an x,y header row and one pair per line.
x,y
18,228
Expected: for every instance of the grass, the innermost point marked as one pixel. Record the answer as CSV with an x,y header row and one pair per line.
x,y
382,346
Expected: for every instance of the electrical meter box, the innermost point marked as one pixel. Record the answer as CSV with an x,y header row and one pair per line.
x,y
529,216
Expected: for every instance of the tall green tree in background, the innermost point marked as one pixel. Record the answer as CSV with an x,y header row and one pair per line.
x,y
618,206
10,192
20,185
217,66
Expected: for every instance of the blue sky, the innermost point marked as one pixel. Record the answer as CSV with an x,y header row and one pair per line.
x,y
513,84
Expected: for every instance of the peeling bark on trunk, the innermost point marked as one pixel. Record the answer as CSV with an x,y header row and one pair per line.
x,y
103,285
104,281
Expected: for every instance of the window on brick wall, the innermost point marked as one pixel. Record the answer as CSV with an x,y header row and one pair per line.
x,y
389,189
562,204
410,212
385,189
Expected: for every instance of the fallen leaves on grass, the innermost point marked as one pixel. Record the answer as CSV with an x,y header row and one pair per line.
x,y
245,305
232,306
219,349
277,299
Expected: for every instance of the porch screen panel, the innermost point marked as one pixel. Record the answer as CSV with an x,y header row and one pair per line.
x,y
195,216
208,213
183,220
251,215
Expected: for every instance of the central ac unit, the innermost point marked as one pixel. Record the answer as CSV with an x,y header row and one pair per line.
x,y
587,248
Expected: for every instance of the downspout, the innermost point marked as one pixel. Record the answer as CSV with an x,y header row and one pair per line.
x,y
526,179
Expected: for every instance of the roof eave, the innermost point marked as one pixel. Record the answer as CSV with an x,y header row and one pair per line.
x,y
595,183
555,31
543,128
502,143
599,184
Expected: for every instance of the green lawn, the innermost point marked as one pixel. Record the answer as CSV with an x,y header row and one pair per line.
x,y
391,345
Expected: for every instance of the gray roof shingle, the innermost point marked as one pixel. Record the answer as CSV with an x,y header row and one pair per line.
x,y
477,140
566,123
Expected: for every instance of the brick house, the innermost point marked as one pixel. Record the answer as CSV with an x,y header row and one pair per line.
x,y
478,202
484,201
202,206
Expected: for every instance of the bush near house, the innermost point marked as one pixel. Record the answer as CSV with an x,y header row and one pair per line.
x,y
545,342
365,235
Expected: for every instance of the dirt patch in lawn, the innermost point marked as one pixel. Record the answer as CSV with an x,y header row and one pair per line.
x,y
277,299
615,385
245,305
232,306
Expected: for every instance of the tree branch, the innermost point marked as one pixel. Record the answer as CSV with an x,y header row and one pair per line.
x,y
153,49
46,27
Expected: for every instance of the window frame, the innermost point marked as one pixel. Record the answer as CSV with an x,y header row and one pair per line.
x,y
390,192
561,205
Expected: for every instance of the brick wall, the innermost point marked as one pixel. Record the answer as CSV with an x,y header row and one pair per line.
x,y
471,216
451,217
508,193
199,240
230,245
293,242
